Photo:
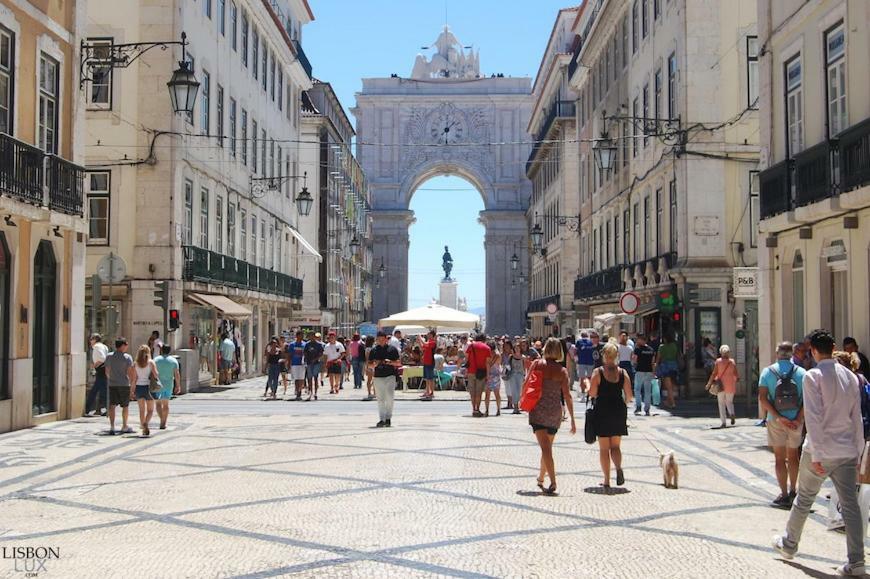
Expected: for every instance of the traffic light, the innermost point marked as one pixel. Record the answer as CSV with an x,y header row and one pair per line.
x,y
161,294
174,320
667,302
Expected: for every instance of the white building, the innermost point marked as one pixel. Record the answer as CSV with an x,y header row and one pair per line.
x,y
204,201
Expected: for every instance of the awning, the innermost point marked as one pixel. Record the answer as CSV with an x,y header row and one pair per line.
x,y
304,243
223,304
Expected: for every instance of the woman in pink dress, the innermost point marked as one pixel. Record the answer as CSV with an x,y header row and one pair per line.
x,y
725,371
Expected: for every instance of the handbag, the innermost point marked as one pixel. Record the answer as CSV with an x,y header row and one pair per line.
x,y
656,386
864,465
532,389
714,387
589,426
154,385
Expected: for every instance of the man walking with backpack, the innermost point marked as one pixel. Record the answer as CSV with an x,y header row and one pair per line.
x,y
780,394
835,440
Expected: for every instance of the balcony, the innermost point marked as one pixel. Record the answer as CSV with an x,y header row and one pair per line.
x,y
775,194
207,266
540,304
31,176
599,283
559,110
303,59
855,156
812,174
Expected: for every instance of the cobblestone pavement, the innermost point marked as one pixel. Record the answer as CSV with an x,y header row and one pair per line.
x,y
326,495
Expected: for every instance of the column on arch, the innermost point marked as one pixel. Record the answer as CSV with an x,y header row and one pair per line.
x,y
391,242
506,302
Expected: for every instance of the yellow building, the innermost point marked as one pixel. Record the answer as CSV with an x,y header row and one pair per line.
x,y
42,340
815,191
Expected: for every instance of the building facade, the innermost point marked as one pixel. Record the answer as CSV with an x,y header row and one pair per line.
x,y
42,234
670,88
202,201
341,281
815,187
552,168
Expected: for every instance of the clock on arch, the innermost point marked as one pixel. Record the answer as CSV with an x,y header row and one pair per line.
x,y
447,126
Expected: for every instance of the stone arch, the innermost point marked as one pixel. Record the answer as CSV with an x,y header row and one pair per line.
x,y
441,168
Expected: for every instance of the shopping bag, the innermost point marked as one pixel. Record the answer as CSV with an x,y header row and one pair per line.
x,y
864,465
835,515
532,388
656,392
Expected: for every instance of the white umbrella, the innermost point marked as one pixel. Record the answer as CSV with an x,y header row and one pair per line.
x,y
422,330
433,316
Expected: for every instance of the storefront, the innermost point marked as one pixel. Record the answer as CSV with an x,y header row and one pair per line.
x,y
208,318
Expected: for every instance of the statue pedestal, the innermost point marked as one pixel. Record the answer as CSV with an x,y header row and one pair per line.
x,y
448,293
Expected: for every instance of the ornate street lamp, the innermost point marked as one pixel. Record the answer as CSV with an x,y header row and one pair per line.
x,y
537,235
304,200
382,271
183,87
354,243
515,261
605,152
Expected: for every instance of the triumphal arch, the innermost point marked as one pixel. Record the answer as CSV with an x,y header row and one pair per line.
x,y
448,119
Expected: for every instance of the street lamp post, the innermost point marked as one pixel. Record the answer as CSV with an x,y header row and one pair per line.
x,y
605,152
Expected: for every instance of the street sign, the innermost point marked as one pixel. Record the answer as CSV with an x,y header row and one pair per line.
x,y
112,269
629,302
628,319
745,282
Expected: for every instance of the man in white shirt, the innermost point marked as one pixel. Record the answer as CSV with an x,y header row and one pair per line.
x,y
396,341
97,395
835,440
334,352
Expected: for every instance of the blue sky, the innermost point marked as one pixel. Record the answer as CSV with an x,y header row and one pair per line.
x,y
353,39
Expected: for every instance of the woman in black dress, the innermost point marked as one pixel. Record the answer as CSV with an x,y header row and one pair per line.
x,y
611,388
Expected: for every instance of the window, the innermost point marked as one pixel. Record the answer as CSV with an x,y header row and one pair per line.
x,y
835,56
7,81
660,209
797,302
289,102
98,208
264,77
672,86
794,106
188,212
635,142
5,275
231,229
607,245
254,239
647,229
644,17
244,137
616,241
752,72
255,52
657,9
625,28
657,97
645,114
189,116
243,234
636,255
219,224
272,77
48,114
206,7
263,156
203,218
262,261
626,236
99,91
233,127
672,220
754,208
244,40
634,25
234,25
280,89
271,158
271,251
222,17
205,96
220,115
254,146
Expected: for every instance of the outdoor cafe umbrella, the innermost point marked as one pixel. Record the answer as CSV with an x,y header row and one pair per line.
x,y
433,316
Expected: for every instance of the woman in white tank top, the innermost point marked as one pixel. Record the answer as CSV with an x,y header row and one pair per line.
x,y
145,369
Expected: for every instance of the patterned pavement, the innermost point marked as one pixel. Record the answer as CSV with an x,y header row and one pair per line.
x,y
323,494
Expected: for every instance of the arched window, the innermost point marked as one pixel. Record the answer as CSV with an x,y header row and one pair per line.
x,y
837,261
44,328
797,285
5,275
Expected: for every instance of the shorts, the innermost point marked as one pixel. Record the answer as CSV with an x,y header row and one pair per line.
x,y
668,369
476,385
297,372
429,372
333,367
313,370
551,431
119,396
143,392
779,435
226,365
585,370
165,394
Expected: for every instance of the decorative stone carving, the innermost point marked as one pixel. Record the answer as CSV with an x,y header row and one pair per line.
x,y
449,61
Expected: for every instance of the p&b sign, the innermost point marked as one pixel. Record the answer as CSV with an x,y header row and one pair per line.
x,y
745,282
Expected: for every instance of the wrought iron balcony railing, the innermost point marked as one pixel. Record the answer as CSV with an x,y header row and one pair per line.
x,y
812,174
855,156
602,282
775,195
209,266
303,58
558,110
65,186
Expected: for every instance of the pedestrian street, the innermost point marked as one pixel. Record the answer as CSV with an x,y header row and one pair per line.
x,y
248,488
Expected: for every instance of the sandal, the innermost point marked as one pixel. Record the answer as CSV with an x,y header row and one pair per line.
x,y
541,485
551,490
620,477
498,412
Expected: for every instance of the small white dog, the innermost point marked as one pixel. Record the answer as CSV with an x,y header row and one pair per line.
x,y
670,469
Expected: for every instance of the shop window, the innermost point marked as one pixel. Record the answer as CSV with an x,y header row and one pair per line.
x,y
5,277
797,288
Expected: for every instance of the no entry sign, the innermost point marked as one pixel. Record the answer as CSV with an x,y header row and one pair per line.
x,y
629,302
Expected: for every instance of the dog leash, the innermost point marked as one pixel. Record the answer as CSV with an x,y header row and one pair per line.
x,y
647,438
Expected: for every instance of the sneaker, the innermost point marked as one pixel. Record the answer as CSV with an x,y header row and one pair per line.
x,y
637,412
387,423
851,569
732,421
646,413
787,552
381,424
791,497
781,501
